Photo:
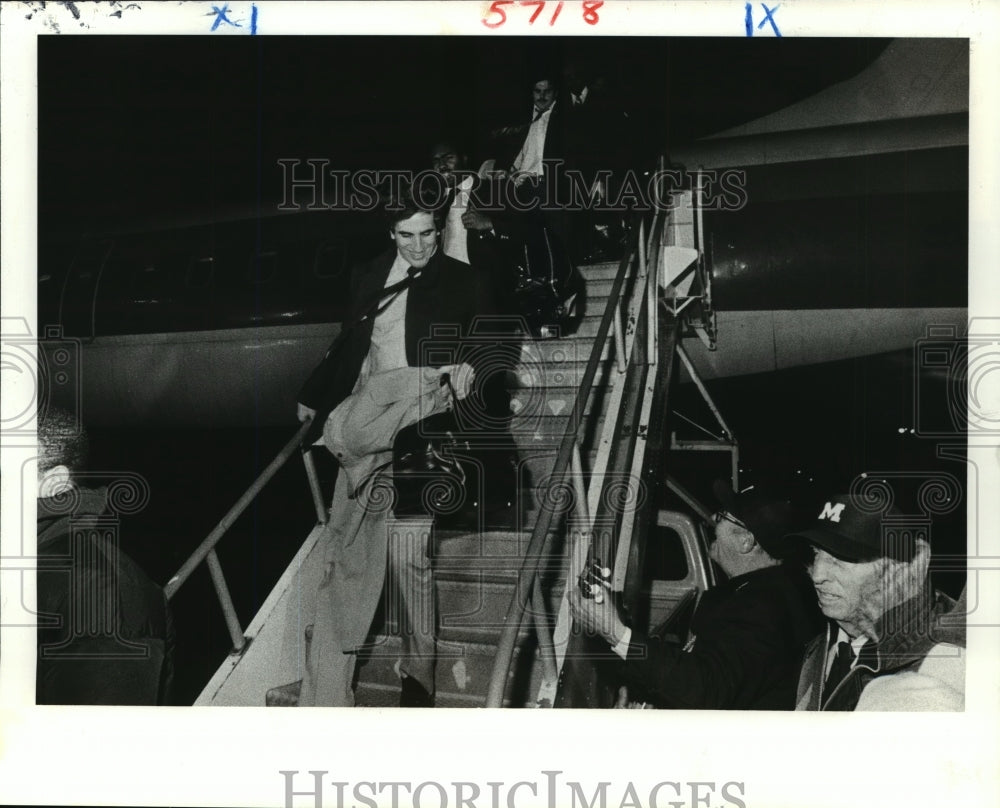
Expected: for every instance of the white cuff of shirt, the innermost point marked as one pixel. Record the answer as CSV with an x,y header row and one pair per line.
x,y
622,647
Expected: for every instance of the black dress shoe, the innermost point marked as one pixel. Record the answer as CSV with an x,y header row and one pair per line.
x,y
413,694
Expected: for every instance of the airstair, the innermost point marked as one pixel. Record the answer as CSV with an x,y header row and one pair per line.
x,y
589,414
476,574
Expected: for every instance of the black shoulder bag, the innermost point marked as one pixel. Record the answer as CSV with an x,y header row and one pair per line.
x,y
458,478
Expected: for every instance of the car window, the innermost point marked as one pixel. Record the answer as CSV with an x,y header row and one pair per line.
x,y
665,556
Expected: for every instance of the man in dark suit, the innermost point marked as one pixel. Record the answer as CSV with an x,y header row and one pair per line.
x,y
600,140
536,153
747,634
419,308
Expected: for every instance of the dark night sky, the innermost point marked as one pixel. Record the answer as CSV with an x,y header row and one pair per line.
x,y
134,128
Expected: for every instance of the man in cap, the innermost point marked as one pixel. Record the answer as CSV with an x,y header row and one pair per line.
x,y
869,567
748,633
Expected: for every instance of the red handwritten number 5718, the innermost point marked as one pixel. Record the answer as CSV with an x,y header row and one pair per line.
x,y
496,7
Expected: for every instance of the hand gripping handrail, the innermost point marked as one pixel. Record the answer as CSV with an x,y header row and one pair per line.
x,y
533,554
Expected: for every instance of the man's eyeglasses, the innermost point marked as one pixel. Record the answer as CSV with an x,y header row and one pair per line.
x,y
718,516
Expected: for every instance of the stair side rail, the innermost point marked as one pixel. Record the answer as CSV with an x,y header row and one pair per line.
x,y
206,550
562,477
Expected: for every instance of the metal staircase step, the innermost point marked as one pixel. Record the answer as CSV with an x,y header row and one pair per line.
x,y
536,463
598,290
473,611
463,674
556,353
477,558
544,376
605,270
532,407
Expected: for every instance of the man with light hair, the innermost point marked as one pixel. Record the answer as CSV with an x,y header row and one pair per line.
x,y
886,645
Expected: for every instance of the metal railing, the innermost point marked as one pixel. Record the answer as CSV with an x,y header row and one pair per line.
x,y
649,248
206,550
568,470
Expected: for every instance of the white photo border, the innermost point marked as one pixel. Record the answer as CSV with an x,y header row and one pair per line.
x,y
201,756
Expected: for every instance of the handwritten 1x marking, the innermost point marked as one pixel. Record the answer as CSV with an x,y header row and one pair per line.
x,y
768,18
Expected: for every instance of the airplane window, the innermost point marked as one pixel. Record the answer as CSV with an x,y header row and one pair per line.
x,y
199,274
330,259
665,556
262,267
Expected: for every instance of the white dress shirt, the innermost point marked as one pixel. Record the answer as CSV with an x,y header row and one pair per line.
x,y
529,159
856,645
455,242
388,348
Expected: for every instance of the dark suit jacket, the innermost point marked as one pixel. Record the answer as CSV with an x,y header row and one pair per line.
x,y
113,641
750,633
440,309
598,133
492,252
557,139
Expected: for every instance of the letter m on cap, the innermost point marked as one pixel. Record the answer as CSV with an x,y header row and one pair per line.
x,y
832,511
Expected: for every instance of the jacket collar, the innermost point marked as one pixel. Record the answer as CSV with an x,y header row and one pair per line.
x,y
904,633
53,513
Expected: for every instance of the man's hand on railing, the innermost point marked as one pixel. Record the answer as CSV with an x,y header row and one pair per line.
x,y
305,413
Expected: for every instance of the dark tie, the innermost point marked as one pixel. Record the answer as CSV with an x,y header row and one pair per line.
x,y
840,668
390,293
538,114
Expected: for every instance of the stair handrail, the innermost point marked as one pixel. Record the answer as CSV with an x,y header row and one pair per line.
x,y
533,554
206,550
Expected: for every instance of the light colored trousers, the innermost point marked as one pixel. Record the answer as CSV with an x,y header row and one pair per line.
x,y
363,538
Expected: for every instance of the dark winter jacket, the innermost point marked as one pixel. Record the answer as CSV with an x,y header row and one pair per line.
x,y
105,633
749,636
